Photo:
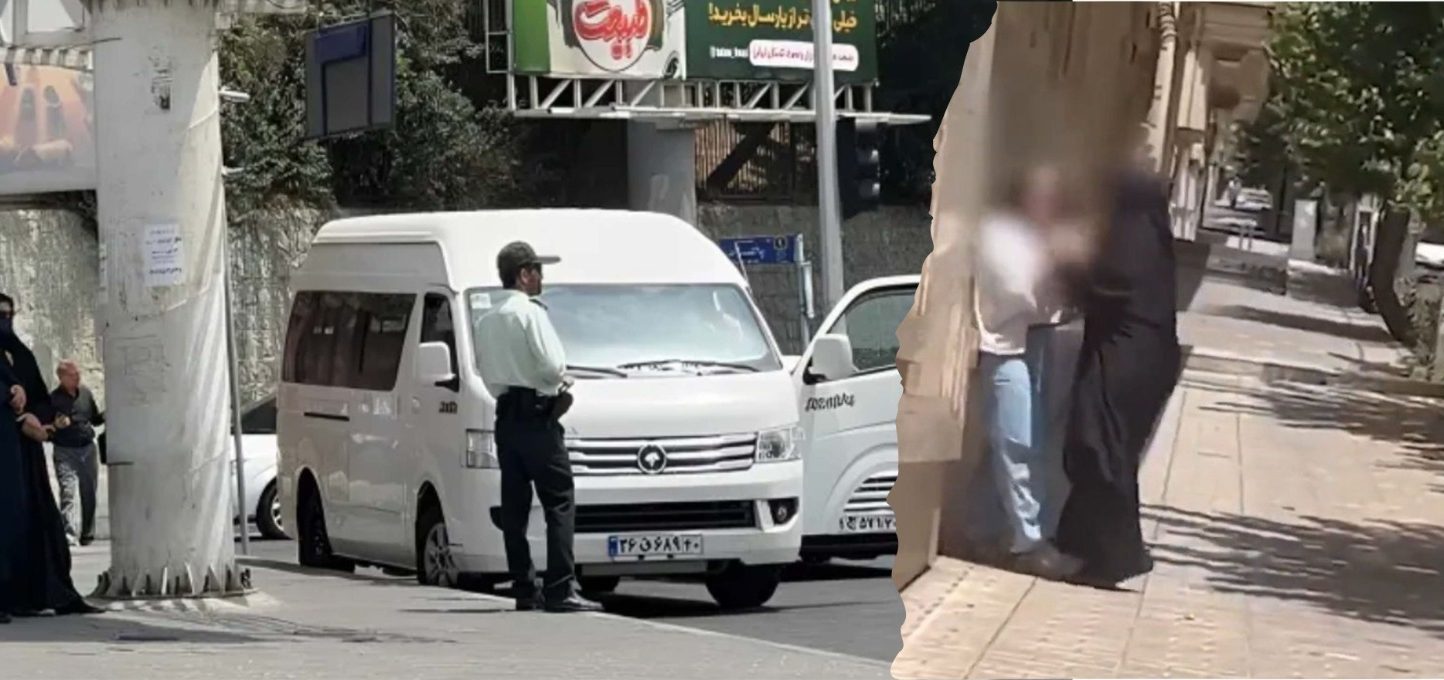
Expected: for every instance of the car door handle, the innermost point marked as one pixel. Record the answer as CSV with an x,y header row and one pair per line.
x,y
328,416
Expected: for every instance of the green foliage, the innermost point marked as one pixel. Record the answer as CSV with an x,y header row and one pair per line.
x,y
1360,95
441,155
443,152
266,136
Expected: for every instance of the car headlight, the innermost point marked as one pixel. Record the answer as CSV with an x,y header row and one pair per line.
x,y
480,450
779,445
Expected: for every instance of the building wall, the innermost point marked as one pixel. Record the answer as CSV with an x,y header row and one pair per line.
x,y
49,261
48,264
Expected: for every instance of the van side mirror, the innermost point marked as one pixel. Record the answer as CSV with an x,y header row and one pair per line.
x,y
433,364
832,357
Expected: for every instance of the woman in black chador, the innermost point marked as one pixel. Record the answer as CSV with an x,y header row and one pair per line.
x,y
12,498
39,564
1127,369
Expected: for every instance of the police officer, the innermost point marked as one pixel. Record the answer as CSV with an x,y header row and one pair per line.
x,y
523,367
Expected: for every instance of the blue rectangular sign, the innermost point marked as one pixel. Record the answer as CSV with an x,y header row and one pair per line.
x,y
761,249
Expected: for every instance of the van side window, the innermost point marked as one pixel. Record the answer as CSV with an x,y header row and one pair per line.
x,y
298,330
313,354
871,324
382,321
346,339
437,325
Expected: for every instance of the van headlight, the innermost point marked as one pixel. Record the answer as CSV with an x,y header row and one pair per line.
x,y
480,450
779,445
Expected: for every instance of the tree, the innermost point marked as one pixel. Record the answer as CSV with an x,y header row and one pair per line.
x,y
1360,102
446,151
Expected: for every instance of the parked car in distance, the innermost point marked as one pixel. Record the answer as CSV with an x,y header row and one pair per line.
x,y
1253,200
258,442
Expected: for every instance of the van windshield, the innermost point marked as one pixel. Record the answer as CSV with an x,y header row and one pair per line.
x,y
612,331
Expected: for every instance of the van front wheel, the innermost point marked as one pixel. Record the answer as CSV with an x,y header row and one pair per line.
x,y
742,586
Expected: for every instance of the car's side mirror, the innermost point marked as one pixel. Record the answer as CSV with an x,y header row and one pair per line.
x,y
832,357
433,364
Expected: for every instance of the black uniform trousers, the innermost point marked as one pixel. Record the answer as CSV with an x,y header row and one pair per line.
x,y
531,450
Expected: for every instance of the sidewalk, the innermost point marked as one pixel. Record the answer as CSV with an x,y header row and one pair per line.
x,y
1299,532
316,625
1317,326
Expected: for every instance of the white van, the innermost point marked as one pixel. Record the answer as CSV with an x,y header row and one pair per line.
x,y
848,391
683,438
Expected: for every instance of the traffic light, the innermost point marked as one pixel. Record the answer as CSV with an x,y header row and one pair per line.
x,y
858,166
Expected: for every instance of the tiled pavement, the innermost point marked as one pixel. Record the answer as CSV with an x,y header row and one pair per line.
x,y
1299,532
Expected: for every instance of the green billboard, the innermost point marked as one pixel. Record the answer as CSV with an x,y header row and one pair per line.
x,y
772,40
692,39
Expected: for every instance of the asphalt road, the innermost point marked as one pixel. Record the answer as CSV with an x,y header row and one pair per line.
x,y
843,607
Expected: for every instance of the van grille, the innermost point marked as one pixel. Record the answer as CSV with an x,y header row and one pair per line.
x,y
871,495
595,519
727,453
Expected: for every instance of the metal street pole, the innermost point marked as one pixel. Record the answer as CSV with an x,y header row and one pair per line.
x,y
235,379
233,362
828,203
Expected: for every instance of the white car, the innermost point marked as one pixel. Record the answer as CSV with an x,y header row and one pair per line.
x,y
258,441
1253,200
848,390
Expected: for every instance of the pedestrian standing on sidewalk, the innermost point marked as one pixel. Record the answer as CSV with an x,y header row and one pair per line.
x,y
524,368
1017,306
40,567
1127,369
12,490
76,467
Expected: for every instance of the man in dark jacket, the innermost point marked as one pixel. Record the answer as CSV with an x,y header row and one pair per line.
x,y
76,468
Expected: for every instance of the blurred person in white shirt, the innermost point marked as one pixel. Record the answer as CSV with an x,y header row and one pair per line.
x,y
1020,301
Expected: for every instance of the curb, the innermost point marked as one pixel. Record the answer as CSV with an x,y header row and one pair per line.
x,y
1266,370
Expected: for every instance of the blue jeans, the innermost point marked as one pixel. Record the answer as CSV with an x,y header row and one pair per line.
x,y
1024,462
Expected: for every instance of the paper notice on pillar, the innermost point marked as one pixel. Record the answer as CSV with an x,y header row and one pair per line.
x,y
164,256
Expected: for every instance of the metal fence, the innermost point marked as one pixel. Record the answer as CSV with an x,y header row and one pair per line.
x,y
756,162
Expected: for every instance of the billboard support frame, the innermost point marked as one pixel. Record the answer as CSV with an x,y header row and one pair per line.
x,y
687,101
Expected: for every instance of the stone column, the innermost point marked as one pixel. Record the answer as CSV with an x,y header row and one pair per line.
x,y
662,170
162,225
1163,111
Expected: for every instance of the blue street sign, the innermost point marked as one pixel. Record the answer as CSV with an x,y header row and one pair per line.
x,y
762,249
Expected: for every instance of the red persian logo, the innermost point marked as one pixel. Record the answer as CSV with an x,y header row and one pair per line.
x,y
613,33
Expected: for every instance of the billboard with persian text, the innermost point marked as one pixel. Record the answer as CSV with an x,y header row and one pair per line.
x,y
762,40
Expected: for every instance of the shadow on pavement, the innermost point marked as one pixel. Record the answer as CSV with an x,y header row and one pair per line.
x,y
1381,571
1414,424
834,571
376,579
662,607
1338,329
119,632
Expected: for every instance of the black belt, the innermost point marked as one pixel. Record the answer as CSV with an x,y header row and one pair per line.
x,y
524,403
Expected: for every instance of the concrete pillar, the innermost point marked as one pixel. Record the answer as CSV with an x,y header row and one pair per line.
x,y
1162,113
1306,221
162,225
662,170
